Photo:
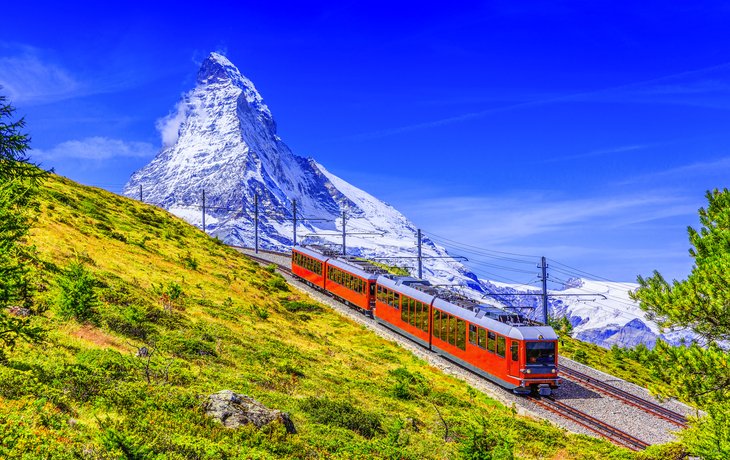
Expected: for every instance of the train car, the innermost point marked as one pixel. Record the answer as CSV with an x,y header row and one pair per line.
x,y
399,304
309,266
499,345
352,281
502,346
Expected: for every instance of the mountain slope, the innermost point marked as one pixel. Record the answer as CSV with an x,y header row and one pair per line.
x,y
236,326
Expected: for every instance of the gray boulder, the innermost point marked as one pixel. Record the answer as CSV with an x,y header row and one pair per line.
x,y
234,410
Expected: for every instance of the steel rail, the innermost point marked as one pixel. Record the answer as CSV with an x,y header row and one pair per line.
x,y
277,253
260,260
603,429
624,396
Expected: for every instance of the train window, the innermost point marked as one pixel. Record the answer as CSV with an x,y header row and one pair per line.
x,y
404,314
482,338
514,350
379,295
414,316
472,334
540,353
424,317
444,325
396,300
461,334
372,288
501,346
452,330
435,322
416,305
491,341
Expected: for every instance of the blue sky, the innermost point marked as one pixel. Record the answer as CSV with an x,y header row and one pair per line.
x,y
587,132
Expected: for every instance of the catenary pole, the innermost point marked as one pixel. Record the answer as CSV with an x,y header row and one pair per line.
x,y
294,205
204,210
140,193
544,290
256,220
420,262
344,246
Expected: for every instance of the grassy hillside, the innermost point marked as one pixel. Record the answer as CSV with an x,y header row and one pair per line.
x,y
219,321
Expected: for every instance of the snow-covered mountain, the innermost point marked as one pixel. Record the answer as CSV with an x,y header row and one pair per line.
x,y
222,142
602,313
221,146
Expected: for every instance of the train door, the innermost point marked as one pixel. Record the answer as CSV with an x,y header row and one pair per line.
x,y
514,358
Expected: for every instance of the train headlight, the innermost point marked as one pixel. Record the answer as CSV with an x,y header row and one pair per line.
x,y
554,371
528,371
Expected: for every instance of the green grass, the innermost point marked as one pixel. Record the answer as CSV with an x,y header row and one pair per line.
x,y
235,325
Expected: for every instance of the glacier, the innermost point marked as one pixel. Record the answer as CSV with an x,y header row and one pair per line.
x,y
221,146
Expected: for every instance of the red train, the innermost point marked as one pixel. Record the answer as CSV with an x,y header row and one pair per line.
x,y
504,347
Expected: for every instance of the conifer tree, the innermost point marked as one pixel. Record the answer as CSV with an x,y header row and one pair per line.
x,y
699,372
18,179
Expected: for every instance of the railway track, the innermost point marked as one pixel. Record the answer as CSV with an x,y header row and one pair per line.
x,y
260,260
626,397
603,429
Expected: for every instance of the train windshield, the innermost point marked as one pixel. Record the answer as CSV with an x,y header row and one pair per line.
x,y
540,353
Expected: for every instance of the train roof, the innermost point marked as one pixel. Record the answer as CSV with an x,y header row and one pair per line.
x,y
500,321
357,267
313,254
414,288
361,268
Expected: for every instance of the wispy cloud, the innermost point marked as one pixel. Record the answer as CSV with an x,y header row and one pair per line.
x,y
594,153
650,84
496,221
96,148
27,79
702,167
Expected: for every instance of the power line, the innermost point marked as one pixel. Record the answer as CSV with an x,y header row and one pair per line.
x,y
482,249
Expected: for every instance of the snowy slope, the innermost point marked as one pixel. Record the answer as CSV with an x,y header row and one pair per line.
x,y
221,143
601,312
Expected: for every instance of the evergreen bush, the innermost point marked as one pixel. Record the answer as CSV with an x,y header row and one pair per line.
x,y
76,297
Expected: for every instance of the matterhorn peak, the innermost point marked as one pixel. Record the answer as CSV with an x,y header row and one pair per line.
x,y
216,68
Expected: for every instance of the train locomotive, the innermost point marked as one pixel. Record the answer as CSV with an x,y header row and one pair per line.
x,y
504,347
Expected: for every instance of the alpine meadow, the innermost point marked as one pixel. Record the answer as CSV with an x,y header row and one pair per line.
x,y
121,321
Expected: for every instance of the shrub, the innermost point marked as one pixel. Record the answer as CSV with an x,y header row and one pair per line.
x,y
189,261
260,312
300,306
483,444
278,282
580,356
409,385
344,415
76,297
271,268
